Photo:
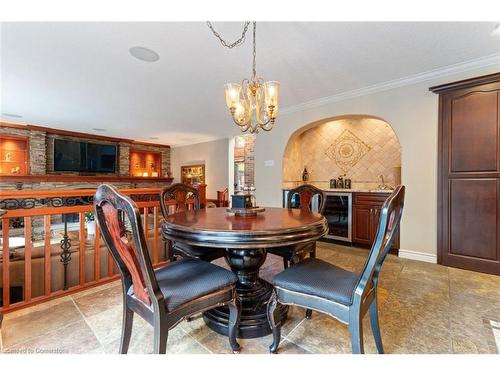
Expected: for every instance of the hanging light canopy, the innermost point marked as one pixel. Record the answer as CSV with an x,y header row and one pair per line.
x,y
253,104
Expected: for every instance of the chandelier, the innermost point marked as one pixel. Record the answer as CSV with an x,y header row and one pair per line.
x,y
253,104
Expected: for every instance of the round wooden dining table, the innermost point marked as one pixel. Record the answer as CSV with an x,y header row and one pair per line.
x,y
245,240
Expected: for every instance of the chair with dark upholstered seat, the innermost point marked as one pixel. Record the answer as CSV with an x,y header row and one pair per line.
x,y
344,295
292,254
166,296
178,198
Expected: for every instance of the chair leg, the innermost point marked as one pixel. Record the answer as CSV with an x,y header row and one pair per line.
x,y
234,323
275,327
356,330
128,319
375,325
285,263
160,338
308,313
312,254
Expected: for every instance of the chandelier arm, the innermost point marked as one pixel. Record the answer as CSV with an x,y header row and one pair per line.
x,y
244,128
241,126
266,128
254,129
262,123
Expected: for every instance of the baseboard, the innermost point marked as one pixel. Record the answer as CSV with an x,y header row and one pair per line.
x,y
416,255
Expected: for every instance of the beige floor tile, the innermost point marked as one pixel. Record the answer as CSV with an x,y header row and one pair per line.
x,y
95,289
219,344
320,335
474,284
74,338
142,338
17,329
99,301
39,307
107,325
196,327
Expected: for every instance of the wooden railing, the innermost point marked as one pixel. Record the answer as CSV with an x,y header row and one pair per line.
x,y
35,267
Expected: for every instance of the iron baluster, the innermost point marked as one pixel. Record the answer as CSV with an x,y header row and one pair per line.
x,y
65,254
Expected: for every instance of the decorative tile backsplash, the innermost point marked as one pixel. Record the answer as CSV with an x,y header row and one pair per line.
x,y
347,150
358,148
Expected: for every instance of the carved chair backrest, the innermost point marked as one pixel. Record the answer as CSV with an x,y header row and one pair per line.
x,y
306,193
178,198
130,253
388,225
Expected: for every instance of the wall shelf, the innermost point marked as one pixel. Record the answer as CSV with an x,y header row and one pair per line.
x,y
13,155
145,163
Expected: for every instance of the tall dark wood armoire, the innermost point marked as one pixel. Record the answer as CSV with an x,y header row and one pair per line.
x,y
469,174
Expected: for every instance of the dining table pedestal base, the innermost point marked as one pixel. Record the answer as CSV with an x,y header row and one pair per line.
x,y
254,294
245,240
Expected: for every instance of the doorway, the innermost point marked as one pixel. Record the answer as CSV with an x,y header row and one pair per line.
x,y
243,161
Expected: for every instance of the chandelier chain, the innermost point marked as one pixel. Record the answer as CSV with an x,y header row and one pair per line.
x,y
254,53
235,43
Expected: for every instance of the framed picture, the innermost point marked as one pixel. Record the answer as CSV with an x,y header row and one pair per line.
x,y
193,174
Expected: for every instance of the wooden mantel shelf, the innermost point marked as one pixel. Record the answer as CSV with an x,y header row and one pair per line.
x,y
76,178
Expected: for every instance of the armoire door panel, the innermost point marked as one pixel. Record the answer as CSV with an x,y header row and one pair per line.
x,y
469,174
474,132
473,218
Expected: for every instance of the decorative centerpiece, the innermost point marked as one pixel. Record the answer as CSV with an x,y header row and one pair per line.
x,y
244,205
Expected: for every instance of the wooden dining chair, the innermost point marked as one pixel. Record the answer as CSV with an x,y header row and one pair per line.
x,y
292,254
178,198
344,295
167,295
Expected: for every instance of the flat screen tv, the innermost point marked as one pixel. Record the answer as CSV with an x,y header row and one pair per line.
x,y
73,156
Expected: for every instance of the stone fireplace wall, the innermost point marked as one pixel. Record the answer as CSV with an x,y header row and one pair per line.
x,y
41,161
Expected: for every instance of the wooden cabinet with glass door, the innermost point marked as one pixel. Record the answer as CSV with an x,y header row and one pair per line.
x,y
13,155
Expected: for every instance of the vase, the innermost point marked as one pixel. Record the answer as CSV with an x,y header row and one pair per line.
x,y
91,227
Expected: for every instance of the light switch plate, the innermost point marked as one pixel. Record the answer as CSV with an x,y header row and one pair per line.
x,y
268,163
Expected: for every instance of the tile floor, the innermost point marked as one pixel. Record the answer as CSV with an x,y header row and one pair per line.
x,y
424,308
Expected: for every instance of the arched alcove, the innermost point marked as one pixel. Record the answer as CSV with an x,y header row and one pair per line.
x,y
359,147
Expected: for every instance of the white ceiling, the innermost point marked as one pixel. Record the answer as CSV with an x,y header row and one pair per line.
x,y
79,76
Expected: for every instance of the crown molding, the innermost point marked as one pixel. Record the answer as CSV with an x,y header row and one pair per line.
x,y
448,70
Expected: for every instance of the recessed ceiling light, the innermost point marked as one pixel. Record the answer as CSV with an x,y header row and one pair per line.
x,y
11,115
144,54
154,138
99,129
496,30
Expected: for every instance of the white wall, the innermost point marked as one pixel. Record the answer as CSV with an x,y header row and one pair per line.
x,y
215,156
412,111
